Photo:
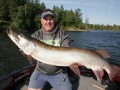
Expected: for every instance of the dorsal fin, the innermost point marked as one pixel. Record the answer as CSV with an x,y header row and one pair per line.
x,y
104,53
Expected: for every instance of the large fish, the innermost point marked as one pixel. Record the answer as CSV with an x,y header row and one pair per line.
x,y
63,56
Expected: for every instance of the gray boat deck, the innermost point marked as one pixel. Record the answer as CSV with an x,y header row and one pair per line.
x,y
83,83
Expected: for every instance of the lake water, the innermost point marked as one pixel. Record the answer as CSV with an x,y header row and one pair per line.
x,y
11,59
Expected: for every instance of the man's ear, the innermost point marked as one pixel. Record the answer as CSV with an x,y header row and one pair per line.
x,y
42,20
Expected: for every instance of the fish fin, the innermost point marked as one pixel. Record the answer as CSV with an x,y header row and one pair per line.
x,y
99,74
104,53
75,69
30,58
115,72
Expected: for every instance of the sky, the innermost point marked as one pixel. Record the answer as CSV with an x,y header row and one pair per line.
x,y
98,11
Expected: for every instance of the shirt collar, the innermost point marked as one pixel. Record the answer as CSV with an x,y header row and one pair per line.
x,y
53,32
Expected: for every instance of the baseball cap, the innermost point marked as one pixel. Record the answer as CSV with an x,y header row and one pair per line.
x,y
47,12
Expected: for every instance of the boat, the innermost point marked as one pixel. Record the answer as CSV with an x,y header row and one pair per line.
x,y
18,80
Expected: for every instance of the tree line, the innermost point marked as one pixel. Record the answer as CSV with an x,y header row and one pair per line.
x,y
25,15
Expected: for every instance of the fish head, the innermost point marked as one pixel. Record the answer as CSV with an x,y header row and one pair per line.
x,y
23,42
18,38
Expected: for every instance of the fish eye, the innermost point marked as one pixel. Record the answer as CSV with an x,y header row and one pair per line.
x,y
21,35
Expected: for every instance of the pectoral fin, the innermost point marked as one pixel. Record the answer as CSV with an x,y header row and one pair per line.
x,y
99,74
75,69
30,58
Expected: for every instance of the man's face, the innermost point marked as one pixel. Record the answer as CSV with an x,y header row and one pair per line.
x,y
48,23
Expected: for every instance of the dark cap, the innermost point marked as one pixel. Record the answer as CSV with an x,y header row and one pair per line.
x,y
47,12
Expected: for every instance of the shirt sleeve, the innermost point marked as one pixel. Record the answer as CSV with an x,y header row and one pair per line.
x,y
65,40
34,35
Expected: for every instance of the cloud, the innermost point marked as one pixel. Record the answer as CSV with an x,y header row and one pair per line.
x,y
57,2
82,2
73,3
100,17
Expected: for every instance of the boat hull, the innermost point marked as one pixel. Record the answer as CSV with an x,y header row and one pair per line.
x,y
20,79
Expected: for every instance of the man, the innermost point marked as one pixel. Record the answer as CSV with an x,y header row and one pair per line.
x,y
51,34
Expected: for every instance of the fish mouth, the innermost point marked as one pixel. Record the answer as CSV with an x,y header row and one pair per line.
x,y
12,33
9,31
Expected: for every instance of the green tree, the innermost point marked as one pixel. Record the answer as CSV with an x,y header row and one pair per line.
x,y
4,13
58,14
118,27
78,18
69,17
115,27
41,7
62,21
87,23
26,17
91,26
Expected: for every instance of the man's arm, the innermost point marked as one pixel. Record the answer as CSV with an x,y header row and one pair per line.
x,y
65,40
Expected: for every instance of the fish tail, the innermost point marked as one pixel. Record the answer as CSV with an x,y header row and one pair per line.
x,y
115,72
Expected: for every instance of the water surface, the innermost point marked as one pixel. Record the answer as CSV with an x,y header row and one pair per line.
x,y
11,58
97,39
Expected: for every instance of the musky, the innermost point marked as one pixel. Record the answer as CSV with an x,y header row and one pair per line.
x,y
98,11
